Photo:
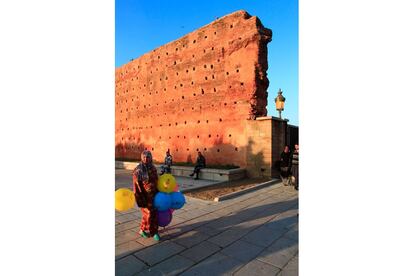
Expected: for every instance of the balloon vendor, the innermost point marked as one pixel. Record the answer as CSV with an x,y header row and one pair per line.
x,y
145,175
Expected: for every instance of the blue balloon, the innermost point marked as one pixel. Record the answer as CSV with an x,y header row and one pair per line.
x,y
162,201
177,200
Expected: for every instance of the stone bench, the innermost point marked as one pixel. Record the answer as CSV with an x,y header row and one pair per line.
x,y
206,173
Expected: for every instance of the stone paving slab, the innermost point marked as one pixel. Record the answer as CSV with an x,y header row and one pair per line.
x,y
172,266
200,251
291,269
159,252
128,266
127,248
279,253
191,238
217,264
242,251
257,268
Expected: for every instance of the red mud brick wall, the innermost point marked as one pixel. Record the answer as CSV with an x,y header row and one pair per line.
x,y
196,93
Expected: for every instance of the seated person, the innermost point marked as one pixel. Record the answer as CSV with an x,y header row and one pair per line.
x,y
166,168
200,163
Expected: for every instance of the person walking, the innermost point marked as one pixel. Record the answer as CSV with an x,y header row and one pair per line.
x,y
295,166
166,168
284,166
145,175
200,163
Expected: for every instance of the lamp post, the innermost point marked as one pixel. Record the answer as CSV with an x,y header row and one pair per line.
x,y
280,102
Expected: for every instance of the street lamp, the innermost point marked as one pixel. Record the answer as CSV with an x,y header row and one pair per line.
x,y
280,102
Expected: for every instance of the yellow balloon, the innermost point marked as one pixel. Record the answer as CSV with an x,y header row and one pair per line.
x,y
124,199
166,183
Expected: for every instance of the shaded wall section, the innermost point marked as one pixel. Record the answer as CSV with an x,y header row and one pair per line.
x,y
197,93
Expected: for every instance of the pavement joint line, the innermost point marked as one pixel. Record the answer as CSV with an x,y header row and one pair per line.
x,y
288,262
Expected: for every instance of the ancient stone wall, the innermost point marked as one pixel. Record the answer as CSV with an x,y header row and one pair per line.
x,y
196,93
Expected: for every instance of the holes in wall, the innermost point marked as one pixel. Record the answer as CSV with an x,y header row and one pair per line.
x,y
182,97
176,49
192,83
225,104
227,73
231,26
188,149
186,71
214,89
198,136
209,136
229,135
198,121
207,121
193,70
212,77
220,120
176,123
235,102
194,94
205,66
215,32
175,63
218,150
202,91
181,84
230,86
185,122
194,41
242,83
205,77
237,70
177,73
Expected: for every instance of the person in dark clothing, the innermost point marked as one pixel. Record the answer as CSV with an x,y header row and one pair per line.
x,y
200,163
166,168
284,165
294,162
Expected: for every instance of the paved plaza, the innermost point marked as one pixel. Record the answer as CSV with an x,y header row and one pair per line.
x,y
252,234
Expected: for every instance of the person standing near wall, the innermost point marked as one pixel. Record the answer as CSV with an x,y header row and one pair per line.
x,y
200,163
166,168
295,166
284,165
145,175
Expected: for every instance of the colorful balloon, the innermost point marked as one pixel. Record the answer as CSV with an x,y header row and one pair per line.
x,y
177,200
177,188
162,201
166,183
164,218
124,199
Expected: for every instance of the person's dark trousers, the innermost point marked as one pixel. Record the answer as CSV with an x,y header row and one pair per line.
x,y
196,171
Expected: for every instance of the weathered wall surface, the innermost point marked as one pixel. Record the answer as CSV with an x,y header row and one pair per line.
x,y
197,93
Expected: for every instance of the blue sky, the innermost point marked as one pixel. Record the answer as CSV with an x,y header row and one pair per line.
x,y
141,26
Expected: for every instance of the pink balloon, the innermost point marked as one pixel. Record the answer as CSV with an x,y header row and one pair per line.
x,y
171,210
176,188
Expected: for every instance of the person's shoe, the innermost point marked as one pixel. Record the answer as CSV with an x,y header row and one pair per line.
x,y
192,174
157,237
143,234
